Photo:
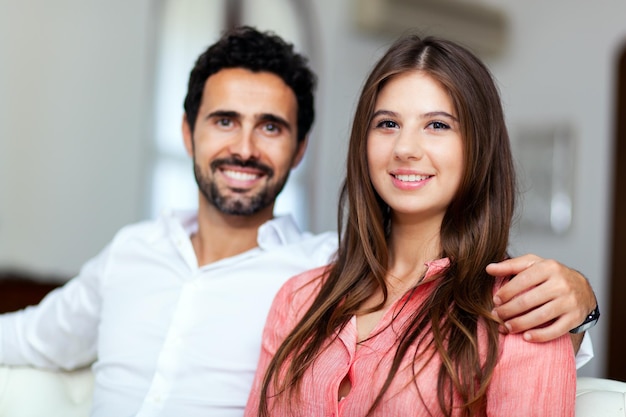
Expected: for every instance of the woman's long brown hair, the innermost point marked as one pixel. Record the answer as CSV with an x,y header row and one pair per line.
x,y
474,232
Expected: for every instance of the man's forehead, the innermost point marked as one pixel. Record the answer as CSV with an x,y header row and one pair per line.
x,y
248,93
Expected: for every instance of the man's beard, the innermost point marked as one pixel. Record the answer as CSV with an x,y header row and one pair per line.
x,y
239,204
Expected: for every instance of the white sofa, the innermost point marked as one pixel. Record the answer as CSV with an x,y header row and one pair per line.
x,y
29,392
68,394
597,397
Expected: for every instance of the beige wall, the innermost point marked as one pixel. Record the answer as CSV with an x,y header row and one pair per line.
x,y
76,79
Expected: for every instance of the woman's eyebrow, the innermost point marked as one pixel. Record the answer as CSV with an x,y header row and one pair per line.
x,y
440,114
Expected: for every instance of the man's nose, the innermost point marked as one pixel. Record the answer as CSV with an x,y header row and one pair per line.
x,y
245,145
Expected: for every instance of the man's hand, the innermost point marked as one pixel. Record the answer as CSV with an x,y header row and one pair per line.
x,y
544,300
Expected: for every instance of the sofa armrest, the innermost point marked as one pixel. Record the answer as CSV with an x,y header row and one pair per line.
x,y
599,397
30,392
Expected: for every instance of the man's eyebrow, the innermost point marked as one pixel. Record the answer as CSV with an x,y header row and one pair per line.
x,y
263,117
269,117
223,113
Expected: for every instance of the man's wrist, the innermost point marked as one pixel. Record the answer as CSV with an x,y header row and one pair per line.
x,y
590,321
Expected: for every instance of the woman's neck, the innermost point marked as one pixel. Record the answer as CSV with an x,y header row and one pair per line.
x,y
411,246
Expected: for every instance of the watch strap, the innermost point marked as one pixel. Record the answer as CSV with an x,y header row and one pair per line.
x,y
589,322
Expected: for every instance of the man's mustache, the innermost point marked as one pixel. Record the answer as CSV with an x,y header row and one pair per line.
x,y
250,163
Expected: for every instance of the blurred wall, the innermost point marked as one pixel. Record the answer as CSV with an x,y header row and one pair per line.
x,y
561,68
75,80
76,84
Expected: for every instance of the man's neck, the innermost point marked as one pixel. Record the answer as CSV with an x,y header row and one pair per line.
x,y
221,236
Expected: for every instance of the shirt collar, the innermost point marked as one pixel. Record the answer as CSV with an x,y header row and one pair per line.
x,y
435,268
279,231
180,221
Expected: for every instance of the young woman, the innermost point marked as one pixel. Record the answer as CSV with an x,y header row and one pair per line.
x,y
400,324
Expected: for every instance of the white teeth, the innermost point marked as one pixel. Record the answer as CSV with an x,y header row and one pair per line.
x,y
240,176
411,177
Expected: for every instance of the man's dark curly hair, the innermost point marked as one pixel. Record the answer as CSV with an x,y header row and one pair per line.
x,y
246,47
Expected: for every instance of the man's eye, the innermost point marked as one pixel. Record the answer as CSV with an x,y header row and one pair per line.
x,y
272,127
224,122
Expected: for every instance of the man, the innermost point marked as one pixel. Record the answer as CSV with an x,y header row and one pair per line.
x,y
172,310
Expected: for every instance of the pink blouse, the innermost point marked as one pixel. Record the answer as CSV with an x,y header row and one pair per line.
x,y
530,379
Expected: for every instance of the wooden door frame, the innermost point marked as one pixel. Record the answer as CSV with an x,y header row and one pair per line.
x,y
617,286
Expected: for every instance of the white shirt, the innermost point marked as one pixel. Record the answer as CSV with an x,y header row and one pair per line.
x,y
168,338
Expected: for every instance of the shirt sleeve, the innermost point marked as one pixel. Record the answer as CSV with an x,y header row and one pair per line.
x,y
61,331
533,379
585,352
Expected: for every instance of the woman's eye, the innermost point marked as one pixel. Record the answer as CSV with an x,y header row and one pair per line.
x,y
387,124
439,125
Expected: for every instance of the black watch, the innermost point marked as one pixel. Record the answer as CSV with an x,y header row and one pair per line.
x,y
589,322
